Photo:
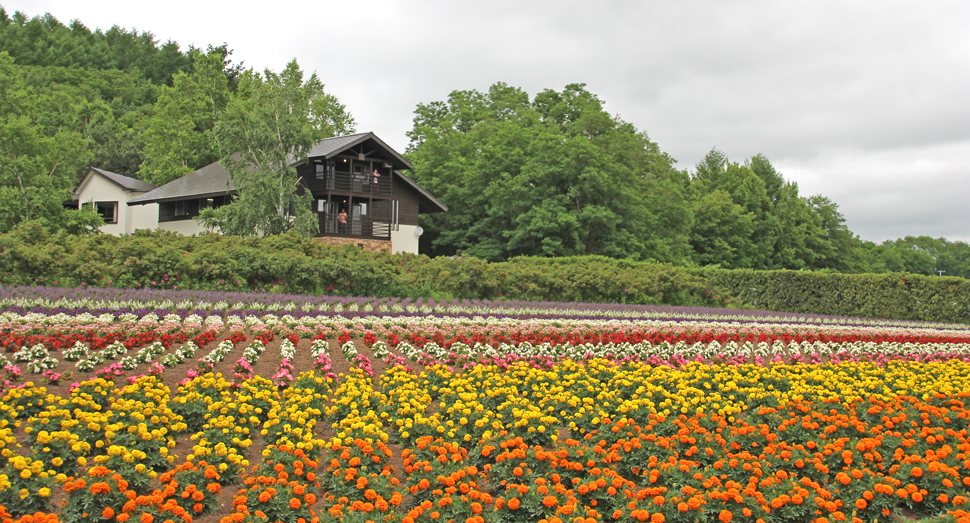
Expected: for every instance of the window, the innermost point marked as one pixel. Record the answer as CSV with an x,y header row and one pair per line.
x,y
182,208
319,170
108,211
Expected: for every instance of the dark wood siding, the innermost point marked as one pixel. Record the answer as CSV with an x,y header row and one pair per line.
x,y
408,213
381,210
166,210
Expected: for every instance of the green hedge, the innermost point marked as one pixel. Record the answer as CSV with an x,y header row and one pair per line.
x,y
895,295
32,255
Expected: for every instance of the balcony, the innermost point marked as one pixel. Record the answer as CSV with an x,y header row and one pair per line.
x,y
347,183
356,227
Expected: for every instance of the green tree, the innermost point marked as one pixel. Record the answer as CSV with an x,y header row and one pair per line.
x,y
271,121
847,254
37,165
792,235
787,231
555,176
45,41
747,191
795,232
773,181
180,135
723,232
920,255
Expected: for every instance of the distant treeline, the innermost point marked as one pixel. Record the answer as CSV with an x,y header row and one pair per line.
x,y
31,255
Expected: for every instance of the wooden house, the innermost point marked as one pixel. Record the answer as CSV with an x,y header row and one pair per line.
x,y
358,174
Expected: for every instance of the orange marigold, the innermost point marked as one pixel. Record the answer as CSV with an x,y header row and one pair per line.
x,y
295,503
100,488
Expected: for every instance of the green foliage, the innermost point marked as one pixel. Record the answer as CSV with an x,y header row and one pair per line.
x,y
30,254
38,162
921,255
557,176
45,41
759,221
723,232
272,120
179,137
289,263
895,295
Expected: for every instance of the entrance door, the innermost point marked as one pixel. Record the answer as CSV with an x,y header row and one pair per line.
x,y
337,205
359,216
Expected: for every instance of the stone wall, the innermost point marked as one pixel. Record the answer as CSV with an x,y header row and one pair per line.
x,y
367,245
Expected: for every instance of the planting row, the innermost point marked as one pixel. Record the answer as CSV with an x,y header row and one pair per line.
x,y
142,301
598,440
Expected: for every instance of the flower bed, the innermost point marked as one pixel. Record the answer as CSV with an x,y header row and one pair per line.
x,y
488,418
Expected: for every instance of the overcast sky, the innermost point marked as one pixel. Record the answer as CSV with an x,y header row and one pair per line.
x,y
867,103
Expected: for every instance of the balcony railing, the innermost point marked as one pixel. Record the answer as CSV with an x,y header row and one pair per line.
x,y
365,184
355,226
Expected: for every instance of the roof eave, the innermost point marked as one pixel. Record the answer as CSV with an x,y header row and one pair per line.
x,y
441,207
177,198
363,137
125,188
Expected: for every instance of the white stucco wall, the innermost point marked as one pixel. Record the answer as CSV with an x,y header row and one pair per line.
x,y
405,240
183,227
96,188
142,216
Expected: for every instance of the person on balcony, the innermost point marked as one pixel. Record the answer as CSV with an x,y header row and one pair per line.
x,y
342,222
375,177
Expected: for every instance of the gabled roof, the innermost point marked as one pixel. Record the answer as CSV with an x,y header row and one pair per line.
x,y
211,180
427,202
329,147
126,183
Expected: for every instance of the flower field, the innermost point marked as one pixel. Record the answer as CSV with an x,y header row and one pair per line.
x,y
190,406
